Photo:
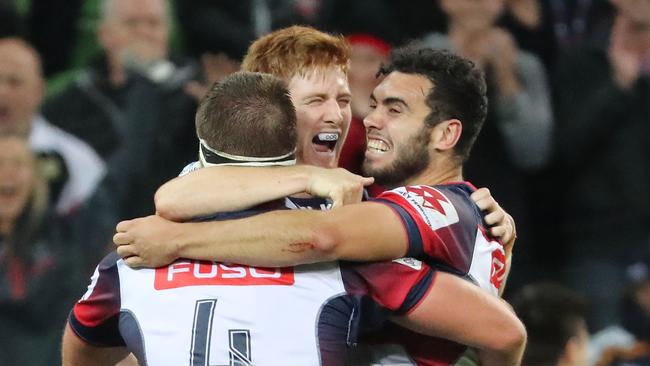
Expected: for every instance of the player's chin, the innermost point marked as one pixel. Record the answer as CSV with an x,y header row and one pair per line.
x,y
321,159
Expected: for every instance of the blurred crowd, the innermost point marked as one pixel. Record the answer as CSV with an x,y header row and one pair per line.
x,y
97,103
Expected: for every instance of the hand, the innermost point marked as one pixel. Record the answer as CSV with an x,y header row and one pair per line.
x,y
502,225
503,58
339,185
526,12
624,57
215,67
147,241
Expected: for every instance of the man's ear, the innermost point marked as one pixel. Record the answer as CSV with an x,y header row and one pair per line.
x,y
446,134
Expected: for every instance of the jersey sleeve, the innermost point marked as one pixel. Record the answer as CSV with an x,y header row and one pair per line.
x,y
433,224
95,317
397,286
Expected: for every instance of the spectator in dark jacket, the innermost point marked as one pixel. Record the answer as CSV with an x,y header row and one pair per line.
x,y
130,105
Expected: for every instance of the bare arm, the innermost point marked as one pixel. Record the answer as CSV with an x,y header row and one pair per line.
x,y
76,352
278,238
457,310
227,188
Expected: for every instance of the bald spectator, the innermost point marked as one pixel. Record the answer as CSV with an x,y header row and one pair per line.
x,y
74,169
129,105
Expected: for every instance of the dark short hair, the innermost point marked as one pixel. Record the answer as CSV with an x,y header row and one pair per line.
x,y
248,114
552,315
459,89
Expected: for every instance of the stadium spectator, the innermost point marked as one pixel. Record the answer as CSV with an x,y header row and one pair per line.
x,y
74,169
516,138
42,259
130,105
603,139
627,343
555,318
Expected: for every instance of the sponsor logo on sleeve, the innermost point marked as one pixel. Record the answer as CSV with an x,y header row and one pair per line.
x,y
198,273
432,205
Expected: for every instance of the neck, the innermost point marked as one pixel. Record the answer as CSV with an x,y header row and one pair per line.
x,y
6,227
438,174
116,72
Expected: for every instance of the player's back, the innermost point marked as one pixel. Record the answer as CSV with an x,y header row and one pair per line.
x,y
206,313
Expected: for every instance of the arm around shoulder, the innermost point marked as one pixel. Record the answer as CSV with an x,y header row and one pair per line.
x,y
366,231
457,310
226,189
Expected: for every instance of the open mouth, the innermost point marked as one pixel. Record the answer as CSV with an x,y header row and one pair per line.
x,y
4,112
326,141
8,191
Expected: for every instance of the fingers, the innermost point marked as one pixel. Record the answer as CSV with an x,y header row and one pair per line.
x,y
123,226
122,238
337,200
484,200
495,217
497,231
134,261
366,181
480,194
125,251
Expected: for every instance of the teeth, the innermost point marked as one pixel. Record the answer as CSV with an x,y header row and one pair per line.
x,y
377,145
328,136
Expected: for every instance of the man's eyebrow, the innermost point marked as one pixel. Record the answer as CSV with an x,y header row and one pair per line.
x,y
396,100
390,100
315,95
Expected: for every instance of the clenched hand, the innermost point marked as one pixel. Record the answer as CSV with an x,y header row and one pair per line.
x,y
147,241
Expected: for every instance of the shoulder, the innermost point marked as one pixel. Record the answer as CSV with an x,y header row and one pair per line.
x,y
437,40
439,206
47,136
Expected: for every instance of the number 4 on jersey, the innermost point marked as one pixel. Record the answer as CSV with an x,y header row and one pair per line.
x,y
239,339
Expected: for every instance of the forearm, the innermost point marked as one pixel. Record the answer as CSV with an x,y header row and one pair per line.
x,y
226,189
76,352
525,117
453,308
283,238
275,239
